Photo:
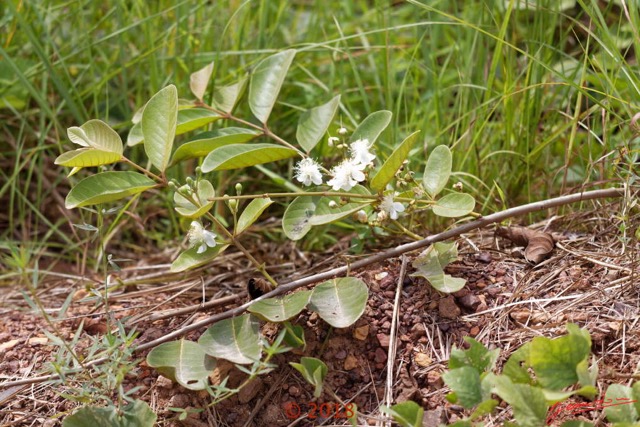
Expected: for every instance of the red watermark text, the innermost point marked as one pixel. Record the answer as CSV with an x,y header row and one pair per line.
x,y
576,408
313,410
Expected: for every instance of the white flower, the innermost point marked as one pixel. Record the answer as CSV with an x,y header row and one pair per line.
x,y
200,237
346,175
308,171
390,207
332,140
342,131
360,152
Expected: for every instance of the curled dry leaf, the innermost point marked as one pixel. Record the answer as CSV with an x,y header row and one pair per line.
x,y
538,244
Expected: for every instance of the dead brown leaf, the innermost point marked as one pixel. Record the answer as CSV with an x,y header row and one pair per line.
x,y
538,244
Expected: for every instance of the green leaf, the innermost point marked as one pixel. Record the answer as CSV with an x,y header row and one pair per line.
x,y
225,98
237,156
528,403
340,302
308,211
203,193
266,83
430,265
477,356
106,187
183,361
454,205
251,213
135,136
465,383
194,118
159,121
87,157
393,163
407,414
576,423
134,414
236,340
96,134
279,309
294,337
555,361
372,126
517,364
199,80
191,258
622,409
205,142
484,408
314,371
437,171
315,122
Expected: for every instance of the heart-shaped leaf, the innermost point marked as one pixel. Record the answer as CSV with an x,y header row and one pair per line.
x,y
191,258
251,213
106,187
183,361
624,411
454,205
194,118
315,122
205,142
203,193
199,80
393,163
437,171
159,121
237,156
465,383
236,340
528,402
407,414
372,126
279,309
266,83
340,302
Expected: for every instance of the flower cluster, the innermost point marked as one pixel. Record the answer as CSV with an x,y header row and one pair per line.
x,y
348,174
345,175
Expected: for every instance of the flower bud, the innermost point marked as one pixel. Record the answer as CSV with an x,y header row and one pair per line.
x,y
239,189
333,204
342,131
361,216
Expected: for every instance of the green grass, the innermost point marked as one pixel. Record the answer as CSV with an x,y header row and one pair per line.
x,y
534,101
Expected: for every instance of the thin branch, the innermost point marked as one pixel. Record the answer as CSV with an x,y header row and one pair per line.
x,y
391,253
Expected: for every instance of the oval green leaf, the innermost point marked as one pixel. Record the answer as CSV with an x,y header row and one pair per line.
x,y
306,211
393,163
194,118
135,136
279,309
191,258
236,340
183,361
205,142
225,98
237,156
106,187
340,302
159,121
96,134
454,205
437,171
199,80
87,157
134,414
251,213
372,126
266,83
203,193
315,122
